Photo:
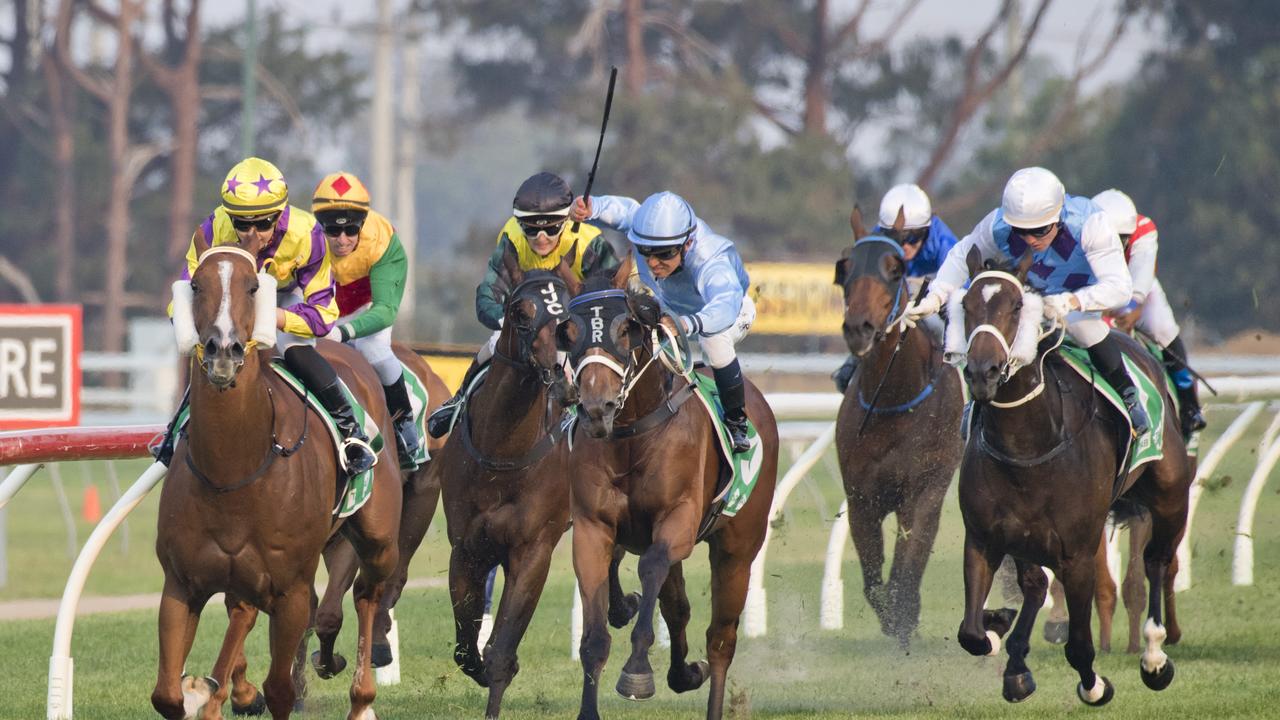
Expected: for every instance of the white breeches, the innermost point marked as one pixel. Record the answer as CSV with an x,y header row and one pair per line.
x,y
1157,317
1087,328
718,349
376,348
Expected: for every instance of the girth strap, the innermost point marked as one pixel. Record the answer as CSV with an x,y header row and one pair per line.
x,y
657,416
521,462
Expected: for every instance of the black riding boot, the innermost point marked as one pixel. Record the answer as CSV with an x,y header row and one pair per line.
x,y
441,421
163,452
1190,416
318,375
402,416
844,374
733,399
1106,356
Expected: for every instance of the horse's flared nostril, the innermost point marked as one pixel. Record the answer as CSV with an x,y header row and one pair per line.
x,y
237,350
210,347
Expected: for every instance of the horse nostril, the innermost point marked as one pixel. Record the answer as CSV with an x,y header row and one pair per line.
x,y
610,406
992,372
210,347
867,327
237,350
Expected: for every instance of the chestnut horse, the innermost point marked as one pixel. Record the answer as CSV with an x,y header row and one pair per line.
x,y
1040,470
249,508
904,461
645,476
421,495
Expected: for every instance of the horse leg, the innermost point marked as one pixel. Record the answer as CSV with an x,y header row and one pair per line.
x,y
1104,595
592,553
674,604
416,512
1055,626
467,575
246,699
241,617
1018,683
672,542
524,576
1157,668
376,546
1134,586
1078,578
179,617
868,542
730,571
290,617
340,559
1170,616
980,630
622,606
917,529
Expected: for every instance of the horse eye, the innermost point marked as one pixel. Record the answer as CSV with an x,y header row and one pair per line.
x,y
254,290
195,289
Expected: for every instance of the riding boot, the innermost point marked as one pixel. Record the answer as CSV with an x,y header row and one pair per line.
x,y
1106,356
163,452
732,389
319,377
844,374
402,417
1190,416
442,420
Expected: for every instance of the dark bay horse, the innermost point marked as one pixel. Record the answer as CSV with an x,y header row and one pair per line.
x,y
1040,470
421,494
645,472
248,504
902,463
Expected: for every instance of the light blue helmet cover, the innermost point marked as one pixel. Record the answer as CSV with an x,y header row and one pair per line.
x,y
663,219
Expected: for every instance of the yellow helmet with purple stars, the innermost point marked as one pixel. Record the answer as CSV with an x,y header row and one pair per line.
x,y
254,187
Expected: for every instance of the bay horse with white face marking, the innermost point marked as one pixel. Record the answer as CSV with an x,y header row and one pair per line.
x,y
645,471
248,503
903,462
1040,470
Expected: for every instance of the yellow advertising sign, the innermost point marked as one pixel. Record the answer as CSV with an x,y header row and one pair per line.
x,y
796,299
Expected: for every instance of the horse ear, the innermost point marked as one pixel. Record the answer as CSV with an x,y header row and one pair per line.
x,y
974,261
645,307
565,271
1024,264
623,272
842,271
855,222
201,245
891,267
511,263
900,221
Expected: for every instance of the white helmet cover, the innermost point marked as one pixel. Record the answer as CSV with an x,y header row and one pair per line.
x,y
916,208
1120,208
663,219
1033,198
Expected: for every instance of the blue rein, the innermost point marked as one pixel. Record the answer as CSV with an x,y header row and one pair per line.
x,y
905,407
893,317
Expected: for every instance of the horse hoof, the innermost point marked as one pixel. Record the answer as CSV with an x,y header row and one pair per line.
x,y
257,707
1098,696
1018,687
1159,679
381,656
999,621
994,639
1055,631
325,671
692,677
195,693
636,686
472,666
620,615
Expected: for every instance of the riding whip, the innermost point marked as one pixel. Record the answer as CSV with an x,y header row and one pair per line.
x,y
1182,360
871,407
604,123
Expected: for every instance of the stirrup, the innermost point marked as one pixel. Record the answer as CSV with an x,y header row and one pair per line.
x,y
405,430
738,434
361,443
442,419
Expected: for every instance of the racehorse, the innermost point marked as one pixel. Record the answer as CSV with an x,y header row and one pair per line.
x,y
421,493
1041,467
645,477
904,461
249,507
504,477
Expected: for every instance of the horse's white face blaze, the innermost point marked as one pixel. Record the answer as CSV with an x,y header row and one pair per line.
x,y
989,291
223,320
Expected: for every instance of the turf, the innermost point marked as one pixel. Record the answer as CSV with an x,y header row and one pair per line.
x,y
1225,663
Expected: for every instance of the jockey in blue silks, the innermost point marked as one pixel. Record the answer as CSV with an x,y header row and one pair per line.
x,y
1078,266
925,241
697,276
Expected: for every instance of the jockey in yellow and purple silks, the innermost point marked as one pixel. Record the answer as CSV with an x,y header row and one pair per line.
x,y
289,244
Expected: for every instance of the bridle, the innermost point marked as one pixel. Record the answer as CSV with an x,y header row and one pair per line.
x,y
548,295
899,310
252,343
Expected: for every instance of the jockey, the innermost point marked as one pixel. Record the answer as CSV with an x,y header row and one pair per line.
x,y
925,241
540,235
697,275
1149,309
1078,266
369,265
255,214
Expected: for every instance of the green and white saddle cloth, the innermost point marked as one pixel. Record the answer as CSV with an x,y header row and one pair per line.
x,y
1149,446
418,400
743,467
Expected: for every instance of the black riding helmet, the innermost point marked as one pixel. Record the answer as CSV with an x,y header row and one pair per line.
x,y
543,201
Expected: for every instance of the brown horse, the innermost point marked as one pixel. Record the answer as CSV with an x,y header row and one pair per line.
x,y
1040,470
904,460
646,471
421,495
249,507
504,479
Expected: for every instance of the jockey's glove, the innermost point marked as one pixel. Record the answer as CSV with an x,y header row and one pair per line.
x,y
1058,306
926,307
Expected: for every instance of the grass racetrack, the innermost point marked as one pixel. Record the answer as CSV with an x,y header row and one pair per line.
x,y
1226,664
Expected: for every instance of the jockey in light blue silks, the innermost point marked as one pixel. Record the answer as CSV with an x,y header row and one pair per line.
x,y
698,277
1078,265
925,241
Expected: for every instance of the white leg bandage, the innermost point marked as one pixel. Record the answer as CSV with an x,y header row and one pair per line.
x,y
1154,658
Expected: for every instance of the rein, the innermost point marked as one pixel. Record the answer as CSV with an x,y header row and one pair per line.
x,y
1063,443
276,450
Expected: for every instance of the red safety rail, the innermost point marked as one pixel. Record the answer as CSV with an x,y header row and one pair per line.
x,y
22,447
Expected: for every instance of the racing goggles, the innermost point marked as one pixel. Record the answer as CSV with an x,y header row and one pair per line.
x,y
659,252
263,224
910,236
350,230
1037,232
534,224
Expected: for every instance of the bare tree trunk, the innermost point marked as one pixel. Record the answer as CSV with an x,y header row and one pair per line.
x,y
637,69
64,209
815,81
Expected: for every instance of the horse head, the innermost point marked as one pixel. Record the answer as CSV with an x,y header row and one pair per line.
x,y
225,311
607,341
872,274
536,305
994,326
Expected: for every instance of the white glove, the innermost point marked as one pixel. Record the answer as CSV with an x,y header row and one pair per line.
x,y
1057,307
926,307
335,334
